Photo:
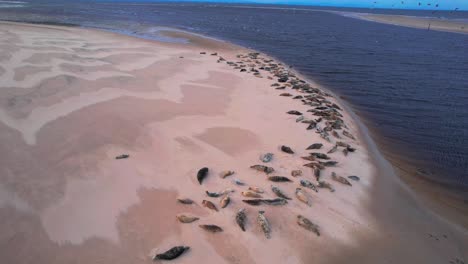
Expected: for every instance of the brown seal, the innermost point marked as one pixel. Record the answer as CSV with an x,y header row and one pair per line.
x,y
211,228
225,201
226,173
302,196
186,218
185,200
296,173
251,194
209,205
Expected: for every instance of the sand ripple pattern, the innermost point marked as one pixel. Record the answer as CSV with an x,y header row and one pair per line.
x,y
47,76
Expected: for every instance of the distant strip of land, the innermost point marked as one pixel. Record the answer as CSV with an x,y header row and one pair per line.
x,y
429,23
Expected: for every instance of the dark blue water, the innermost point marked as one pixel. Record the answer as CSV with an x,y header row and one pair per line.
x,y
409,85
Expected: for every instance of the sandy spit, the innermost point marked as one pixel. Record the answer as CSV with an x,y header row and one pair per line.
x,y
73,99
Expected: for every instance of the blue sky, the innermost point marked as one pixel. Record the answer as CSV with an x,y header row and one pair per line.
x,y
405,4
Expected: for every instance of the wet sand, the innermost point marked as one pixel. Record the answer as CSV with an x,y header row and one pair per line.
x,y
73,99
428,23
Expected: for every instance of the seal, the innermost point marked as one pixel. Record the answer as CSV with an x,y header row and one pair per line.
x,y
219,194
241,218
172,253
347,134
185,200
251,194
123,156
279,193
326,185
296,173
328,163
256,189
309,158
279,179
226,173
342,144
294,112
253,202
238,182
308,184
262,168
287,149
209,205
345,152
307,224
300,194
320,155
340,179
276,201
266,157
186,218
201,175
213,194
264,224
354,178
211,228
332,150
225,201
317,173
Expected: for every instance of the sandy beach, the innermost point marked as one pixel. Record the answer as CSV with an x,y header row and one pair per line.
x,y
429,23
73,99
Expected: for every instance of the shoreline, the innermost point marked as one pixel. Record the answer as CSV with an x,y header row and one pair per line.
x,y
427,23
354,118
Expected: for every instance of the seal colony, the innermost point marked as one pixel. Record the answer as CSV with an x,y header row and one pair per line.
x,y
124,147
323,116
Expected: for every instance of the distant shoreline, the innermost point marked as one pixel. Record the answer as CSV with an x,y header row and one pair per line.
x,y
428,23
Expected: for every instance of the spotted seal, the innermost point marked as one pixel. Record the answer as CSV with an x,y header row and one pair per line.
x,y
241,218
263,168
279,193
308,184
307,224
264,224
340,179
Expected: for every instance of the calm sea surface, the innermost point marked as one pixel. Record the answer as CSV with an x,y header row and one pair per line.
x,y
409,85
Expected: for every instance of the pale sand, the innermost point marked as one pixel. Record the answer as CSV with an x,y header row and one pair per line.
x,y
72,99
428,23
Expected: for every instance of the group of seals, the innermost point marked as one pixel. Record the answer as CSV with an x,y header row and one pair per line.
x,y
328,120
